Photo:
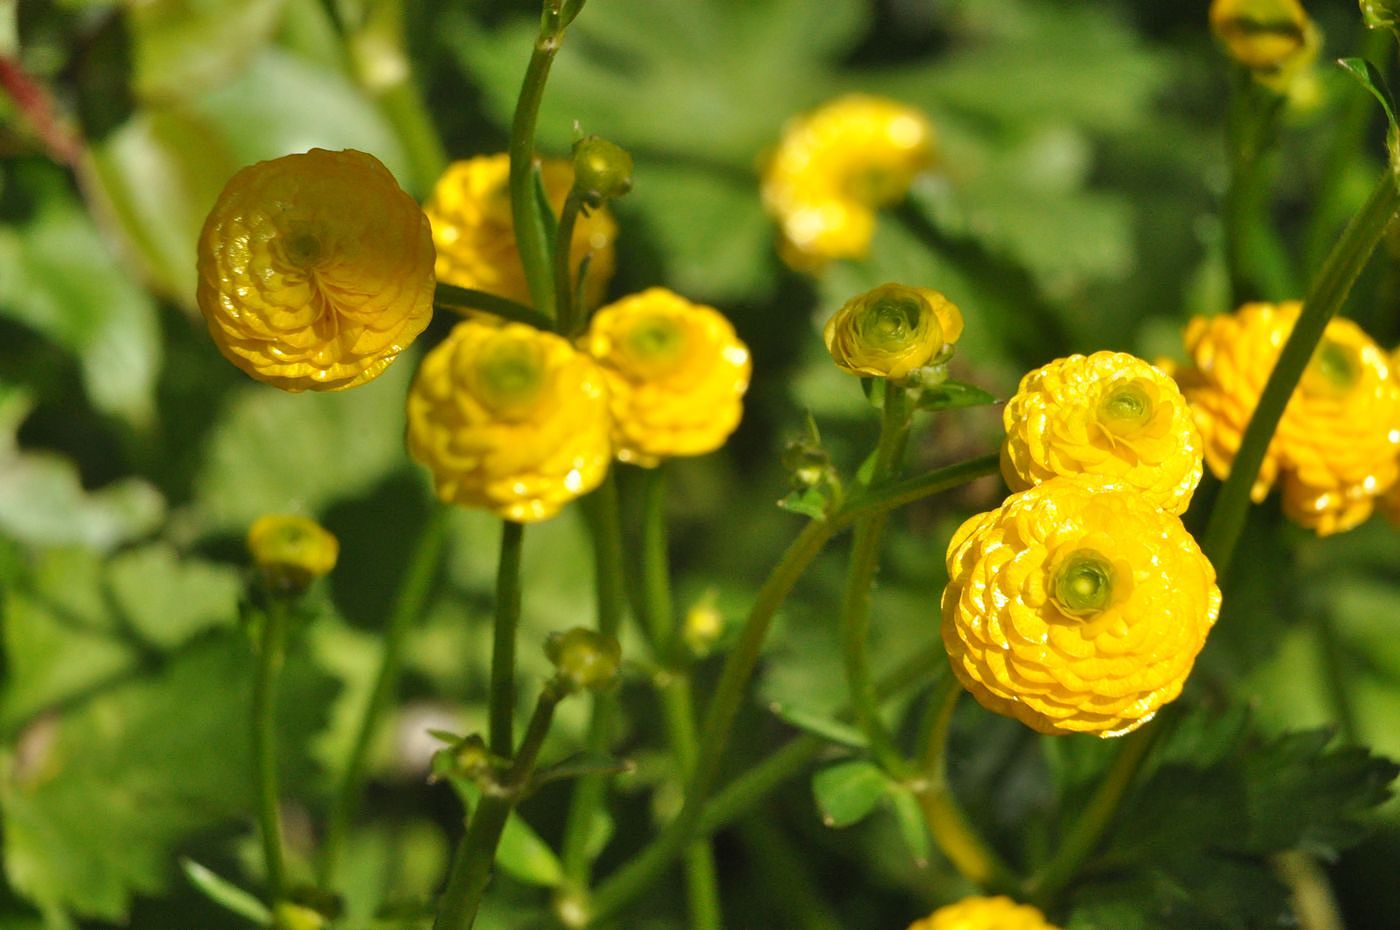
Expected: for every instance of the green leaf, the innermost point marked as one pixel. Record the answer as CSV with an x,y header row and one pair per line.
x,y
953,394
43,503
182,48
58,278
225,893
1369,77
527,857
847,792
842,734
909,817
810,502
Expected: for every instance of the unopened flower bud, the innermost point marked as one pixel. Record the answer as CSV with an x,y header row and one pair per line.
x,y
1274,39
290,552
704,625
584,658
602,170
466,758
1381,13
288,916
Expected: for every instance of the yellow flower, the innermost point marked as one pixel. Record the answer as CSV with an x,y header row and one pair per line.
x,y
315,270
511,419
1109,414
833,167
1077,606
1335,448
676,374
892,330
1275,39
999,913
475,234
291,551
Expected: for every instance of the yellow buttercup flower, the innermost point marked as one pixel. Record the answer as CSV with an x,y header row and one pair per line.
x,y
1335,448
834,167
892,330
475,234
1108,414
676,374
1274,39
1077,606
511,419
291,551
999,913
315,270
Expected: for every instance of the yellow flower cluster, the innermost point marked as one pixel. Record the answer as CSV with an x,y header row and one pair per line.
x,y
510,418
1334,452
475,234
1108,414
519,421
1274,39
892,331
999,913
834,167
315,270
676,375
1076,606
291,551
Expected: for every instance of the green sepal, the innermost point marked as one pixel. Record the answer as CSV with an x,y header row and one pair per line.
x,y
847,792
1370,77
810,502
842,734
953,394
225,893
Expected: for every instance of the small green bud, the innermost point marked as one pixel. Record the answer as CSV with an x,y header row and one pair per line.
x,y
704,625
584,658
1381,14
288,916
602,170
466,758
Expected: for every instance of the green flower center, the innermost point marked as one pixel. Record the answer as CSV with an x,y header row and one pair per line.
x,y
510,376
655,345
1083,585
1334,368
1126,408
891,323
303,247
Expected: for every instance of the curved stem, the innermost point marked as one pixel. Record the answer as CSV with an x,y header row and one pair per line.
x,y
563,262
1083,838
601,510
1326,296
468,300
271,652
408,606
968,853
529,232
855,606
502,705
476,854
881,498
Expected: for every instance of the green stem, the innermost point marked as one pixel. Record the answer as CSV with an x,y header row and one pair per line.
x,y
1329,291
467,300
1254,256
408,606
502,705
1334,676
968,853
529,231
1084,837
272,647
855,607
476,854
601,509
1314,904
896,494
563,261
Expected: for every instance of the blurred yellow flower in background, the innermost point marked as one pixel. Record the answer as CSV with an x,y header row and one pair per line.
x,y
999,913
511,419
1275,39
475,234
1077,606
892,330
1109,414
676,372
834,167
315,270
1335,448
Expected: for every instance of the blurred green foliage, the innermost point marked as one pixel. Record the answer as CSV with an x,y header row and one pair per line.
x,y
1076,208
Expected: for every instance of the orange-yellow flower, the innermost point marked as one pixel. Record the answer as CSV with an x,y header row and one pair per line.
x,y
892,330
834,167
291,551
511,419
1108,414
475,234
999,913
676,372
1335,448
1077,606
315,270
